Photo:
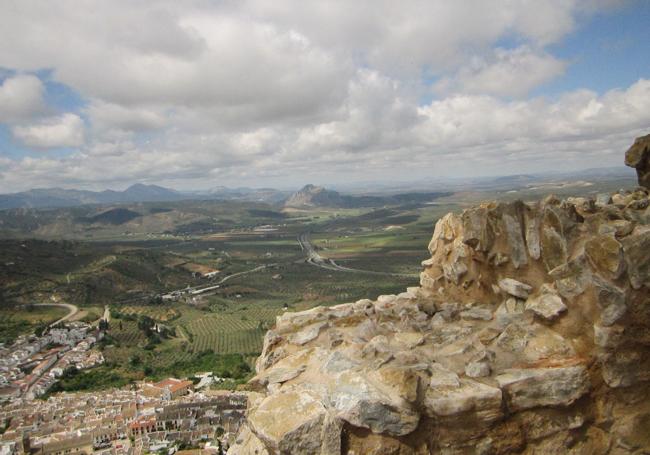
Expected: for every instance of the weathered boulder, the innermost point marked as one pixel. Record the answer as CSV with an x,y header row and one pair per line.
x,y
554,249
307,334
299,430
476,232
477,369
605,254
548,306
515,231
636,248
468,397
247,443
532,222
611,301
533,387
360,402
638,157
515,288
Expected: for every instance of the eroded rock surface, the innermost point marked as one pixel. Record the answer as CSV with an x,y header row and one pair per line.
x,y
638,157
530,333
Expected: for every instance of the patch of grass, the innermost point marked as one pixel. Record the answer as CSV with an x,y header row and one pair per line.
x,y
232,366
99,378
25,320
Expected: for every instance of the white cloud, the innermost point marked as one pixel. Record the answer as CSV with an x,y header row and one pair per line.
x,y
257,92
513,72
273,60
20,97
110,116
459,135
471,120
66,130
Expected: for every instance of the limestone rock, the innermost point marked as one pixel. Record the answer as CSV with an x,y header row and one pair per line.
x,y
611,301
476,231
298,431
442,377
603,199
475,313
447,228
514,230
638,157
532,222
548,306
624,367
515,288
360,402
529,388
247,444
605,253
573,277
307,334
636,248
554,249
477,369
469,397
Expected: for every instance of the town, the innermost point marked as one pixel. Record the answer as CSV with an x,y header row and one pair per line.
x,y
140,418
158,417
32,364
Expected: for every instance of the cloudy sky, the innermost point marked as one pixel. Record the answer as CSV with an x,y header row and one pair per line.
x,y
197,94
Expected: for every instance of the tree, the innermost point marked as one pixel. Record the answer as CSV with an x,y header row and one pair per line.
x,y
70,372
146,324
40,329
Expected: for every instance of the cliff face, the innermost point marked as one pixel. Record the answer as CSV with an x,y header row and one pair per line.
x,y
530,333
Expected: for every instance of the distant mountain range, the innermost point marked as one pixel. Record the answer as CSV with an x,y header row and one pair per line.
x,y
308,196
58,197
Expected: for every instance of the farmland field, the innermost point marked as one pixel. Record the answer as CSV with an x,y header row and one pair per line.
x,y
24,320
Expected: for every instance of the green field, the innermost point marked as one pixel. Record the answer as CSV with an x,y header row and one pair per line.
x,y
25,320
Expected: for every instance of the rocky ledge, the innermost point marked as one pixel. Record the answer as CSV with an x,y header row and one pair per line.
x,y
530,333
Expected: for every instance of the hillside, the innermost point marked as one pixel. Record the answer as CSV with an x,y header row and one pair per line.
x,y
314,196
114,216
529,333
311,196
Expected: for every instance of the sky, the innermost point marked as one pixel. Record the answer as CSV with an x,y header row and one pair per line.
x,y
207,93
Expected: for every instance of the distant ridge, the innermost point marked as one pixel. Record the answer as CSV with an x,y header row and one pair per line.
x,y
317,196
58,197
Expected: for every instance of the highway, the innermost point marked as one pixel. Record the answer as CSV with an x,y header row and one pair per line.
x,y
317,260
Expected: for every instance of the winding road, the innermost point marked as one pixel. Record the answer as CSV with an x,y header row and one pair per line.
x,y
73,309
317,260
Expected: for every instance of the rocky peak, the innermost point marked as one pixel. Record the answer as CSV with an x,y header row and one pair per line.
x,y
314,196
638,157
529,333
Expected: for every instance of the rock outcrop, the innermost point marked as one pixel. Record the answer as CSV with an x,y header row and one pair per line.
x,y
638,157
530,333
314,196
